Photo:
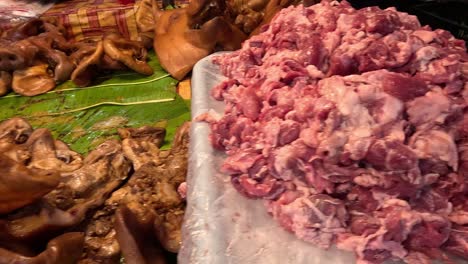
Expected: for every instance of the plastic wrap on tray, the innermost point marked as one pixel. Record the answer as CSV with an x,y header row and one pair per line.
x,y
221,226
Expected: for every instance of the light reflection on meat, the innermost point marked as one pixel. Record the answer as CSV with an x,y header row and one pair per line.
x,y
352,125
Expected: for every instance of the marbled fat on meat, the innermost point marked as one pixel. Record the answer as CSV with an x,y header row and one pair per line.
x,y
351,125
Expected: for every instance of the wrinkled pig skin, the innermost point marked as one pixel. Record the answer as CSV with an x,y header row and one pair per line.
x,y
168,222
15,130
164,203
20,186
130,53
142,197
64,249
141,145
49,154
101,245
13,133
160,201
36,149
79,192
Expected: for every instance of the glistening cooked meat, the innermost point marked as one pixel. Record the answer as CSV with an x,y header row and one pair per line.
x,y
351,124
146,211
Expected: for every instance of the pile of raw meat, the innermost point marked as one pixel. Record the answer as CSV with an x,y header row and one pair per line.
x,y
351,125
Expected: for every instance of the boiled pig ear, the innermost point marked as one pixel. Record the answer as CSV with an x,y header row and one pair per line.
x,y
107,63
79,192
21,186
63,65
84,72
33,81
135,238
130,53
81,50
15,130
63,249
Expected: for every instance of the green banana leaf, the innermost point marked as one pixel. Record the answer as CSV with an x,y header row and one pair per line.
x,y
85,117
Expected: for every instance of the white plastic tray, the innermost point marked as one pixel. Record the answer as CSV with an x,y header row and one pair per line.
x,y
221,226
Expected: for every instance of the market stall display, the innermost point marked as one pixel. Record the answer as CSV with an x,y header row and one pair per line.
x,y
334,128
349,124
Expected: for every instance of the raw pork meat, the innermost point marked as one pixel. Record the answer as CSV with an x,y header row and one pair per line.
x,y
351,125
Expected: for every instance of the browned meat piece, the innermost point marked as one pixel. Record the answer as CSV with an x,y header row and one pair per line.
x,y
80,191
20,186
61,64
48,154
153,194
146,192
168,222
13,133
36,149
101,245
149,197
87,60
141,145
15,130
64,249
33,80
130,53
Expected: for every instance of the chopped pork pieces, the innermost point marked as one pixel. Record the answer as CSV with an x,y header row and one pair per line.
x,y
351,125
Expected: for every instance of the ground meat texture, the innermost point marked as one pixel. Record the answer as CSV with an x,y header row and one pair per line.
x,y
351,125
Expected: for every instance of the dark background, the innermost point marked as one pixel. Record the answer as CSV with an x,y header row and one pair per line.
x,y
451,15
